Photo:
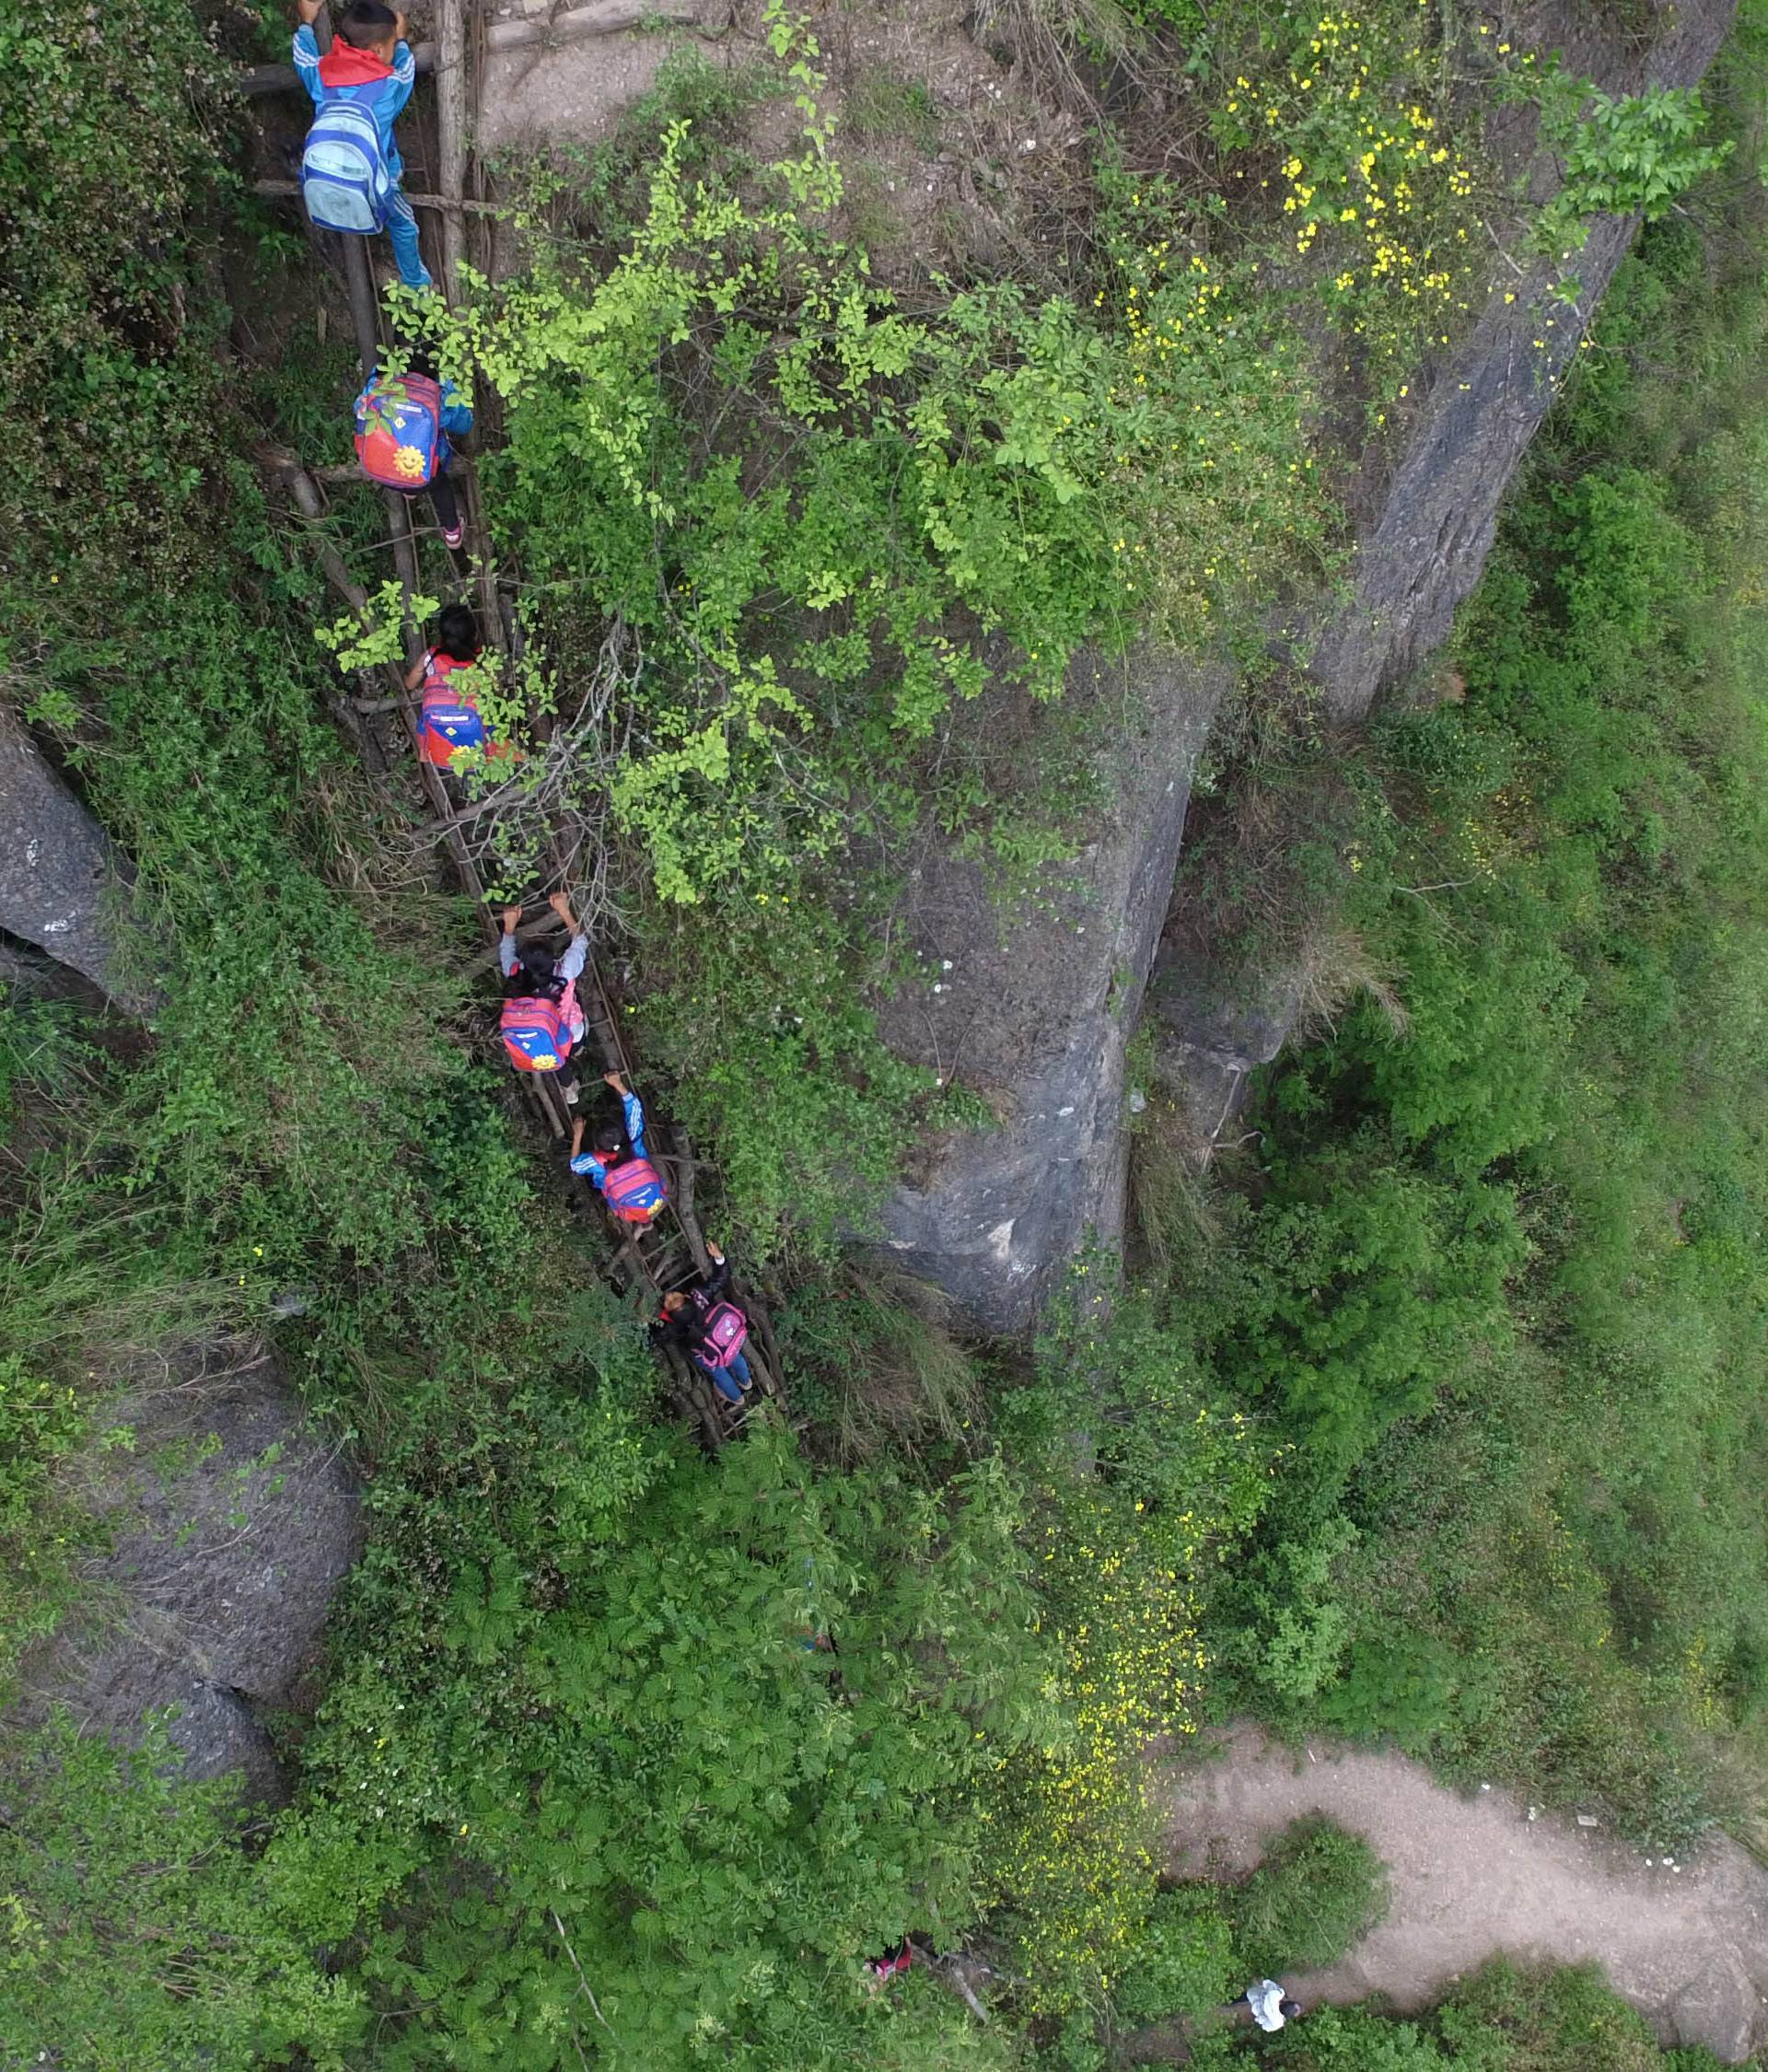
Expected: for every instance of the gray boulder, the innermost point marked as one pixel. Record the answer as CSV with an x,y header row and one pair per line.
x,y
231,1525
63,886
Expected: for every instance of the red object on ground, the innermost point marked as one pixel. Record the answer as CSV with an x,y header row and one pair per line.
x,y
899,1960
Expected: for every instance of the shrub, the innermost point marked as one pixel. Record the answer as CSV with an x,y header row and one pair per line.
x,y
135,1926
1504,2018
1548,2020
1502,1273
1186,1962
1318,1892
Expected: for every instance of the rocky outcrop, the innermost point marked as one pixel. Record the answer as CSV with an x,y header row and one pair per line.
x,y
1033,1008
1039,1005
1207,1038
63,887
231,1526
1424,555
1428,522
1422,550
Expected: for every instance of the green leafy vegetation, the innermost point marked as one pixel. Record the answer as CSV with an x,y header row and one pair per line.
x,y
1317,1893
931,519
1440,1423
1503,2019
1503,1286
1638,153
133,1927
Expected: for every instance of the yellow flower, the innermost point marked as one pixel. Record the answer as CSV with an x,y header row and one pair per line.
x,y
408,461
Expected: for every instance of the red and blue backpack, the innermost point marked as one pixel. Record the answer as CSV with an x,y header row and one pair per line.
x,y
449,720
634,1190
401,442
537,1031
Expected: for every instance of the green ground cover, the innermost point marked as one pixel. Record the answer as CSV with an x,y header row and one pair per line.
x,y
577,1788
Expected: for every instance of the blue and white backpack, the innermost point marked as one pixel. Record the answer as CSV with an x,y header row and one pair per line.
x,y
344,177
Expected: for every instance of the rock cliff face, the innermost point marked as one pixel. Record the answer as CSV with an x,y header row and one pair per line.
x,y
232,1526
61,885
1036,1008
1051,999
1429,526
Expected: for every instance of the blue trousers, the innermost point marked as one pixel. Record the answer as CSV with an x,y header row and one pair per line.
x,y
402,228
731,1380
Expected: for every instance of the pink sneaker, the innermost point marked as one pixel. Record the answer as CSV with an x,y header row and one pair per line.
x,y
453,534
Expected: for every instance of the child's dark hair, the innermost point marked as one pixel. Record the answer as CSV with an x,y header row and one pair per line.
x,y
610,1143
457,632
536,974
365,23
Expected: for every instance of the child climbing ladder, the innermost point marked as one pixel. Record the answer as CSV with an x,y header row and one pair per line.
x,y
619,1164
698,1320
405,420
351,168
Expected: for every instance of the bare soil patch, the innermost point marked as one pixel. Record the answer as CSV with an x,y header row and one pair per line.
x,y
1474,1876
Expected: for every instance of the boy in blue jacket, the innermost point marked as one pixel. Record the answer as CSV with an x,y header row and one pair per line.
x,y
371,63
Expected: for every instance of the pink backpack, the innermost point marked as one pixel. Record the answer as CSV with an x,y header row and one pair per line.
x,y
634,1190
538,1032
725,1334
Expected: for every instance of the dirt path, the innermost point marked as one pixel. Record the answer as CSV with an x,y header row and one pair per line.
x,y
1472,1876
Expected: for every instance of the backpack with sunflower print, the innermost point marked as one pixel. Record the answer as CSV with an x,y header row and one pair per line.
x,y
399,430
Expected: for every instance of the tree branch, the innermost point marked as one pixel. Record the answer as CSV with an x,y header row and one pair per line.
x,y
576,1967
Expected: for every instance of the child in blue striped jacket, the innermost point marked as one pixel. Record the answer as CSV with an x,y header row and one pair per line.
x,y
371,63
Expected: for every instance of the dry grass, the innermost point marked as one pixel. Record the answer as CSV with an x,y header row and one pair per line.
x,y
897,1372
1333,967
79,1296
1169,1213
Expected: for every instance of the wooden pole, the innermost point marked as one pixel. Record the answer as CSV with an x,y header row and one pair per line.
x,y
364,309
289,190
457,109
453,100
482,248
304,493
303,489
